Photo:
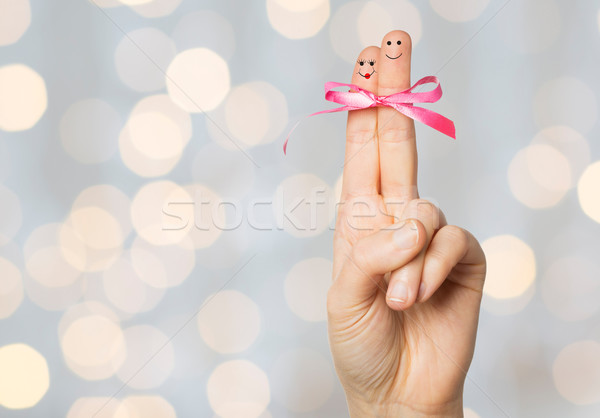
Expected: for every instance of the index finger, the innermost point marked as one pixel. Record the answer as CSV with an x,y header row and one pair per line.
x,y
397,140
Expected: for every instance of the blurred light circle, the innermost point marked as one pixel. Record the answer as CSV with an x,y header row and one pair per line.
x,y
93,346
576,372
511,267
162,103
14,20
162,266
127,291
137,155
11,215
304,20
389,15
539,176
11,288
303,205
81,256
299,6
208,220
25,378
549,167
89,131
155,135
469,413
49,268
145,406
570,143
571,288
111,199
238,389
459,10
566,101
94,406
524,15
587,191
149,359
154,8
162,212
57,296
96,227
343,36
302,380
45,259
205,28
23,97
84,309
256,113
142,57
229,321
306,287
198,80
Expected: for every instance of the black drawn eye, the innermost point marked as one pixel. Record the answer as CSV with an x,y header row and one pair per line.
x,y
389,42
361,62
372,63
399,42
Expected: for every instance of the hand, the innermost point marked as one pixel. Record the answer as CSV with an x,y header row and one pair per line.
x,y
404,304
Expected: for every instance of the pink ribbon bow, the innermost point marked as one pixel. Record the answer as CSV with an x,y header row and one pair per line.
x,y
402,102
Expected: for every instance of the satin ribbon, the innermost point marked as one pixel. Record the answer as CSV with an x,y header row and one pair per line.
x,y
402,102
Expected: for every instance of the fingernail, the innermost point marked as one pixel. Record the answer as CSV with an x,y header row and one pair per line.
x,y
421,291
399,292
407,236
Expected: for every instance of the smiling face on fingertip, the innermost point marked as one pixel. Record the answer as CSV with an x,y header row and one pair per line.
x,y
396,45
366,67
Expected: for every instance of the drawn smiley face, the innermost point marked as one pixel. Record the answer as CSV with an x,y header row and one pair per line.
x,y
395,45
362,62
395,52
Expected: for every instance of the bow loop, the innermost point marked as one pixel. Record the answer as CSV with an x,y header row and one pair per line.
x,y
358,98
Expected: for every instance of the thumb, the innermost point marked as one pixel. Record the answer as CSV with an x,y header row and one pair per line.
x,y
371,257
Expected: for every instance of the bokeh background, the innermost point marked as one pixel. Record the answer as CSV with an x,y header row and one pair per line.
x,y
123,121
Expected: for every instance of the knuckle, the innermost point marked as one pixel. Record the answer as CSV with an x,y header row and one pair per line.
x,y
396,133
360,136
458,235
425,211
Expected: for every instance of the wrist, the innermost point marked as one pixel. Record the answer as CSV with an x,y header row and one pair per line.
x,y
362,409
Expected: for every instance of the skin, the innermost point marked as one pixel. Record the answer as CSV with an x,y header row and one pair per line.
x,y
398,356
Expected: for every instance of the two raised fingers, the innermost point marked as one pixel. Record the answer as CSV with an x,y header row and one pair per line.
x,y
381,153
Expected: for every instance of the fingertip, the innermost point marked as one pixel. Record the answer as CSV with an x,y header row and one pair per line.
x,y
401,292
366,73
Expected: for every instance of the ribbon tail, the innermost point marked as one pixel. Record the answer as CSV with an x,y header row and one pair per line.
x,y
337,109
428,117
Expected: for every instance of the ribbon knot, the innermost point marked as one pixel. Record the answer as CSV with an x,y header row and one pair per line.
x,y
358,98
